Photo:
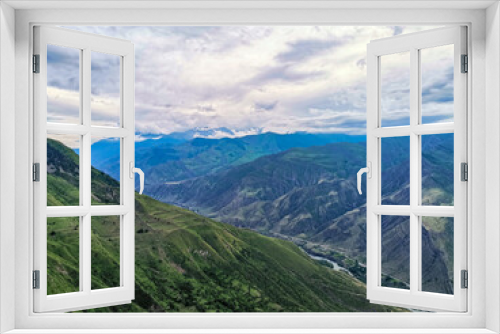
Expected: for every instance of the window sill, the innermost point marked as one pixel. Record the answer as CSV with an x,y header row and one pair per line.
x,y
252,331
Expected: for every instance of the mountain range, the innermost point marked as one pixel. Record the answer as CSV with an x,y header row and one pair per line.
x,y
172,158
310,193
302,187
186,262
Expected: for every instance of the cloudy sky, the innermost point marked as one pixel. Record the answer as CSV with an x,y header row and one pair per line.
x,y
281,79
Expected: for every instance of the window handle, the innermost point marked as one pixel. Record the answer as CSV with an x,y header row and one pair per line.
x,y
368,171
139,171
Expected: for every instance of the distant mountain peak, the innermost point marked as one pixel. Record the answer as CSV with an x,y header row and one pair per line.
x,y
223,132
203,132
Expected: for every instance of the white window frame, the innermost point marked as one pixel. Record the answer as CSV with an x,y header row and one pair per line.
x,y
85,298
413,44
484,49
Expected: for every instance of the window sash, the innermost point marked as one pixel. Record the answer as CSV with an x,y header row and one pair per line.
x,y
86,297
414,298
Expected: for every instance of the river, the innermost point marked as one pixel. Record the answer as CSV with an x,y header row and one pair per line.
x,y
335,265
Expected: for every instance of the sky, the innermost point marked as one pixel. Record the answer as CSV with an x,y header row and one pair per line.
x,y
251,78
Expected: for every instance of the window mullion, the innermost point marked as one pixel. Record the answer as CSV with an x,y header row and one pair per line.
x,y
82,183
419,129
414,173
86,167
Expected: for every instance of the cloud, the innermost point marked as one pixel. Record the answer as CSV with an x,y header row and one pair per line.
x,y
263,106
105,74
63,67
206,108
437,84
233,76
72,141
282,73
302,50
63,106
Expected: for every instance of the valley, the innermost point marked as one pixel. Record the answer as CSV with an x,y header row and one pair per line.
x,y
304,195
309,194
186,262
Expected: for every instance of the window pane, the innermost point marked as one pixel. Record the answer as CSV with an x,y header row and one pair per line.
x,y
437,84
395,171
105,170
63,84
395,89
63,255
105,252
396,252
63,170
437,169
105,100
437,254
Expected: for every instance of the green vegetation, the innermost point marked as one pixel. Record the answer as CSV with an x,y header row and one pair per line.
x,y
63,252
62,175
189,263
105,252
63,179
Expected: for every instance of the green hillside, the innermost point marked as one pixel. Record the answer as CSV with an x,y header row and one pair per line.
x,y
189,263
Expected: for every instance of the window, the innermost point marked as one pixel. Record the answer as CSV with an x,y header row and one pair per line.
x,y
424,207
474,318
183,259
70,223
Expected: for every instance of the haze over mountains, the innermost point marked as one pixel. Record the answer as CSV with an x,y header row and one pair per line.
x,y
175,157
302,186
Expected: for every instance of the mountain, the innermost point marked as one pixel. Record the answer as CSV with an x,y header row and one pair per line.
x,y
310,193
264,194
165,159
186,262
215,133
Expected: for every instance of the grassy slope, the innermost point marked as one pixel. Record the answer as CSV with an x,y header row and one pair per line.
x,y
188,263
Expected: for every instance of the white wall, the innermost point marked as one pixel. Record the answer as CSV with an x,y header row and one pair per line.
x,y
7,160
476,17
492,164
